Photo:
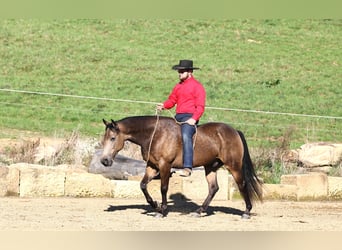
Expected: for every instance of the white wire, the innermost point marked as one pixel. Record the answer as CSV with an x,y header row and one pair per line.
x,y
104,112
147,102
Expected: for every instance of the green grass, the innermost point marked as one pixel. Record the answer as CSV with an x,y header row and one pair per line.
x,y
291,66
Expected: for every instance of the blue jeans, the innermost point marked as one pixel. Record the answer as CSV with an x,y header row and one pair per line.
x,y
187,133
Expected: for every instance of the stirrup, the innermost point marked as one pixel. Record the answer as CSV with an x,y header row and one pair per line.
x,y
186,172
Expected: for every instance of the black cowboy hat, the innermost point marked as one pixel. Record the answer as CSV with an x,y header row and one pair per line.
x,y
184,64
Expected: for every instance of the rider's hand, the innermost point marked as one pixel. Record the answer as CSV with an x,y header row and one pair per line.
x,y
191,121
160,106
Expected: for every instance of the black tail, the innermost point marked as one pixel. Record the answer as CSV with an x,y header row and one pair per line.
x,y
252,182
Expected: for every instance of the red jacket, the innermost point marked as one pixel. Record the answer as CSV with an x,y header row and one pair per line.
x,y
189,96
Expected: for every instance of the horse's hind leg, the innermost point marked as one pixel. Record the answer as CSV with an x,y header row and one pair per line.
x,y
211,176
237,175
149,174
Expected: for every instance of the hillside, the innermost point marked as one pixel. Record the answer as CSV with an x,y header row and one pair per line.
x,y
275,80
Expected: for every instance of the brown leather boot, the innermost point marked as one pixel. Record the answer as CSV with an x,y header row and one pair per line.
x,y
186,172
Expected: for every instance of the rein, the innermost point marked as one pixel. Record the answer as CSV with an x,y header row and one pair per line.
x,y
153,133
155,129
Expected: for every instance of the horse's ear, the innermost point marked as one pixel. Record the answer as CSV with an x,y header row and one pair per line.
x,y
105,122
114,123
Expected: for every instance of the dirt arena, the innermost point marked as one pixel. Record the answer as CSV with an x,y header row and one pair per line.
x,y
104,214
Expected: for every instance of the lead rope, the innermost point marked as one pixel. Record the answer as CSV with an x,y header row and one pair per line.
x,y
154,131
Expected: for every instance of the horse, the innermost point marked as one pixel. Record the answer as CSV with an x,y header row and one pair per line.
x,y
216,144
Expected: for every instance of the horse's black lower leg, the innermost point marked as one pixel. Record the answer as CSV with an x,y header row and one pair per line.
x,y
163,207
143,187
243,188
212,191
164,186
149,174
245,195
247,213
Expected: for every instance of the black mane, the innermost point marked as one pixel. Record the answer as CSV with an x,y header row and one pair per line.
x,y
141,123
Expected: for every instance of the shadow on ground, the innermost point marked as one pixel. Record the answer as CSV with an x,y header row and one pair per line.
x,y
178,203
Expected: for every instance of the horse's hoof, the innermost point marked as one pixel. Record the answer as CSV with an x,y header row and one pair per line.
x,y
195,215
245,216
158,215
156,205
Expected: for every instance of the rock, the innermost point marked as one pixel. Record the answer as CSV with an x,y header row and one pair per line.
x,y
40,181
127,189
320,154
9,181
87,185
49,151
44,152
313,186
325,169
290,156
72,168
335,188
279,192
44,181
121,169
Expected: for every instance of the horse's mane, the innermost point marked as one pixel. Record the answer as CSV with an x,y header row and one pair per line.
x,y
143,123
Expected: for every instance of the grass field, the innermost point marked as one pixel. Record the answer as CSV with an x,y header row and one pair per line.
x,y
285,66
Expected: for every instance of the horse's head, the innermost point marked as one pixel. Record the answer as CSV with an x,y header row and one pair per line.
x,y
113,142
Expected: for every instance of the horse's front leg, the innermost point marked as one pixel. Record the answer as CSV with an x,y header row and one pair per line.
x,y
211,177
164,187
149,174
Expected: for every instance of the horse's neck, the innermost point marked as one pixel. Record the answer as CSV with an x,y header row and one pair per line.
x,y
140,134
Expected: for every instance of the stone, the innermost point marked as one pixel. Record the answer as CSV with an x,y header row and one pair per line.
x,y
320,154
40,181
121,169
279,192
9,181
72,168
87,185
312,186
335,188
127,189
233,190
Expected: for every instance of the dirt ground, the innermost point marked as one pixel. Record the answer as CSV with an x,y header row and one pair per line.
x,y
104,214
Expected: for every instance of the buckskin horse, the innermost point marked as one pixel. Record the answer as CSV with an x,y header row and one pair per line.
x,y
216,145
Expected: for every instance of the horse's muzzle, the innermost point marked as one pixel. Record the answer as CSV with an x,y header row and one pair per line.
x,y
106,161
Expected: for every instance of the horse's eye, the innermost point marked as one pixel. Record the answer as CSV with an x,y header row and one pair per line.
x,y
112,139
